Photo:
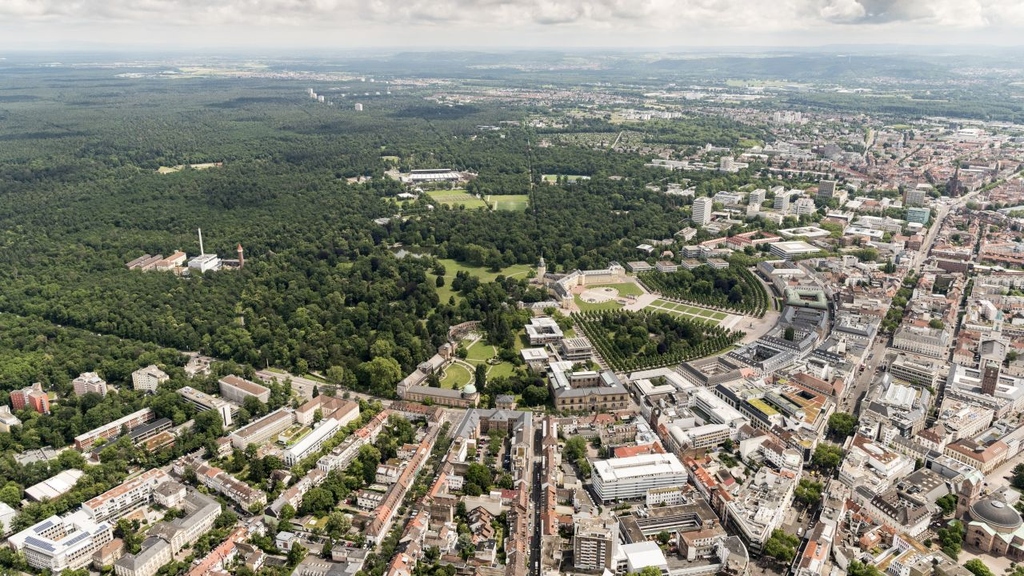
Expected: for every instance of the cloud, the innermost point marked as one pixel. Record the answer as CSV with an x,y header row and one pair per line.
x,y
593,22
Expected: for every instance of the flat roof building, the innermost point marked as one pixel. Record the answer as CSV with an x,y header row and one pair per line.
x,y
59,544
84,442
792,249
54,487
312,442
89,382
203,402
630,478
236,389
262,430
126,497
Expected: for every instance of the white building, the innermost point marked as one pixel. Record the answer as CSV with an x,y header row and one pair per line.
x,y
312,442
60,544
702,208
89,382
205,263
629,478
782,202
804,206
789,250
125,497
149,378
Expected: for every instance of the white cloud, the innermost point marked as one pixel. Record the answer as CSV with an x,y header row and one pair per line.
x,y
446,22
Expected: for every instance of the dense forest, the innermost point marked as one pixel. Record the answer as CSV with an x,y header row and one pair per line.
x,y
321,287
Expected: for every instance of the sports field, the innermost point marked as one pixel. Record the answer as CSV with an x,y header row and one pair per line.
x,y
511,203
686,311
455,198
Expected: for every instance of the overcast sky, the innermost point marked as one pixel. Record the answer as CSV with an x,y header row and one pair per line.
x,y
339,24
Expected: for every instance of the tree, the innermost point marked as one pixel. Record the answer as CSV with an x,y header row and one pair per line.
x,y
210,424
338,524
858,568
10,494
480,377
664,537
809,491
480,475
789,333
842,424
128,531
575,448
827,456
936,324
296,554
226,519
286,514
381,374
947,503
781,546
318,501
978,568
951,539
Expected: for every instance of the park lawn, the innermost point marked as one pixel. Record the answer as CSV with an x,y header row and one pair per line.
x,y
587,306
455,376
503,370
719,315
569,177
480,352
451,267
624,289
456,197
511,203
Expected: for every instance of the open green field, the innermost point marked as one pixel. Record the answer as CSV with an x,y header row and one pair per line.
x,y
480,352
511,203
687,311
451,267
624,289
552,178
455,376
455,198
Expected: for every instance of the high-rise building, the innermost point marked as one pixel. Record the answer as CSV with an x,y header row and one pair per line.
x,y
149,378
804,206
782,201
702,208
990,378
89,382
757,197
32,398
914,196
826,189
595,542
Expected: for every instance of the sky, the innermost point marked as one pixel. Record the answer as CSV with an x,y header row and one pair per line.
x,y
341,24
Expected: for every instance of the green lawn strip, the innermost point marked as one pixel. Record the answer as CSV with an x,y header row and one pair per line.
x,y
624,289
455,375
719,315
587,307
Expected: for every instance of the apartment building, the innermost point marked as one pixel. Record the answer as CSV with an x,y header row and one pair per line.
x,y
32,398
149,378
126,497
311,442
84,442
166,539
89,382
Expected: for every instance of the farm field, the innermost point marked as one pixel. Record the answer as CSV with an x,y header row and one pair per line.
x,y
455,198
511,203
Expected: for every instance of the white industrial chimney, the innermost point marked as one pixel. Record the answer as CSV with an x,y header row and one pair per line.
x,y
201,251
